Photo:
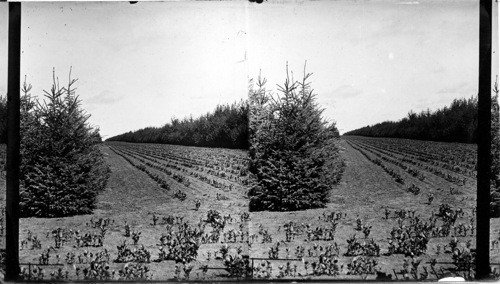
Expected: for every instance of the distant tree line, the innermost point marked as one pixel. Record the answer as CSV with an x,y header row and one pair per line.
x,y
225,127
456,123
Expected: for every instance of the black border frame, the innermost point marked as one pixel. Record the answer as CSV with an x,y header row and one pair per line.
x,y
13,142
484,142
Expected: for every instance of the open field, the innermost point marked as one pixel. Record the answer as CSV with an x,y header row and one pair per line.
x,y
154,189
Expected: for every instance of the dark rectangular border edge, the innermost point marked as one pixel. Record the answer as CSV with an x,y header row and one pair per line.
x,y
13,142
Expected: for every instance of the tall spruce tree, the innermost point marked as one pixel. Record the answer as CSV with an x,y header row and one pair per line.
x,y
294,155
62,169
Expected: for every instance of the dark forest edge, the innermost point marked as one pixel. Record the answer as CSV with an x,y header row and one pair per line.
x,y
454,123
225,127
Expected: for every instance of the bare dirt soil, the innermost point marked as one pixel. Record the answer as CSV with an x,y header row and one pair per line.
x,y
132,197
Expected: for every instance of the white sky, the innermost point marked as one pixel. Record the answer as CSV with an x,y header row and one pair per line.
x,y
140,65
372,61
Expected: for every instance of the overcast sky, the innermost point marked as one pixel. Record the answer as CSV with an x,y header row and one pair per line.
x,y
140,65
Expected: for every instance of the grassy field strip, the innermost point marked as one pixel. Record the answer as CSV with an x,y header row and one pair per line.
x,y
429,176
447,153
193,189
183,167
439,195
403,162
234,174
184,174
432,163
460,168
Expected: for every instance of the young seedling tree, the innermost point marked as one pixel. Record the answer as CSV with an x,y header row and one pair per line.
x,y
62,169
294,155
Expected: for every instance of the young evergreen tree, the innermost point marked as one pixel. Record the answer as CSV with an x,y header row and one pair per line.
x,y
62,169
495,137
294,155
495,152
